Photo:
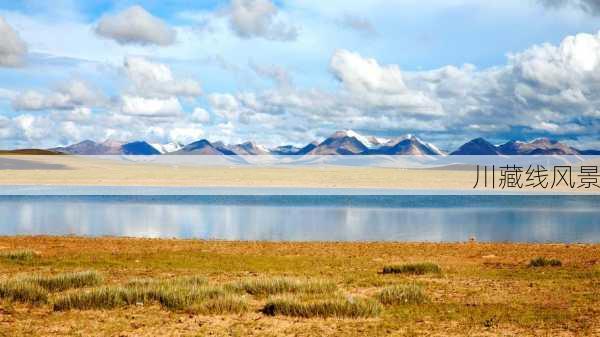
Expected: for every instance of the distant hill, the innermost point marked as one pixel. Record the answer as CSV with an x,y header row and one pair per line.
x,y
346,142
139,148
88,147
479,147
541,146
30,152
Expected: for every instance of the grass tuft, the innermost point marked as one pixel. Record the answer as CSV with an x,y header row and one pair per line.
x,y
66,281
544,262
228,304
402,294
174,294
18,255
23,291
341,308
413,268
264,286
97,298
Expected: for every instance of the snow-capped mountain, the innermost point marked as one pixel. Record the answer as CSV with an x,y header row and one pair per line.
x,y
409,145
202,147
341,142
346,142
247,148
285,150
168,148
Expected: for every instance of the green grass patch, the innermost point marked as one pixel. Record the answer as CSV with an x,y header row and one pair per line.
x,y
66,281
402,294
413,268
544,262
18,255
264,286
23,291
342,308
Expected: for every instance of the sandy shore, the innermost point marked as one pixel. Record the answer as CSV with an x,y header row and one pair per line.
x,y
482,290
71,170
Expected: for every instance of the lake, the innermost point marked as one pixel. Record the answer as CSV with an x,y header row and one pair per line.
x,y
441,218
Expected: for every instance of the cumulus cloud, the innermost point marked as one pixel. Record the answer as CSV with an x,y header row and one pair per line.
x,y
150,107
259,18
12,48
591,7
373,86
135,25
358,24
69,96
543,90
200,115
156,80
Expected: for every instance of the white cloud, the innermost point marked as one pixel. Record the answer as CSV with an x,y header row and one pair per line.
x,y
150,107
135,25
156,80
200,115
69,96
259,18
12,48
373,86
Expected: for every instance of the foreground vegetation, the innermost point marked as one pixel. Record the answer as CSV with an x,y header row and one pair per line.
x,y
73,286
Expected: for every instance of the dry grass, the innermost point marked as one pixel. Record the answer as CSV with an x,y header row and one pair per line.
x,y
23,291
413,268
544,262
227,304
485,289
264,286
18,255
66,281
402,294
174,294
341,308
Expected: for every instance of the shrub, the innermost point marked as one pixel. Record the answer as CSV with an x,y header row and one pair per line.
x,y
544,262
19,255
66,281
324,308
402,294
23,291
413,268
271,286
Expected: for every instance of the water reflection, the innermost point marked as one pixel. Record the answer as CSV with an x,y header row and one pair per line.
x,y
529,219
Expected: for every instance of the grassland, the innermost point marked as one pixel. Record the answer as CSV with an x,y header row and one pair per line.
x,y
72,286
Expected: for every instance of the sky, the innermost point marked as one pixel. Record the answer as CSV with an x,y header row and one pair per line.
x,y
290,72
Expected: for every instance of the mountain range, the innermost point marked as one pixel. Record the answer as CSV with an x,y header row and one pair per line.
x,y
340,143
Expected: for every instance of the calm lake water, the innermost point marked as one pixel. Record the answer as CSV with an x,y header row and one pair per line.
x,y
309,218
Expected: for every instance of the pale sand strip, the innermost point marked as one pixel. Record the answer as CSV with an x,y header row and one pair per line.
x,y
103,172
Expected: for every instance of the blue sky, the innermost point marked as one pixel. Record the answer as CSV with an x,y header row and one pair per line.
x,y
292,71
